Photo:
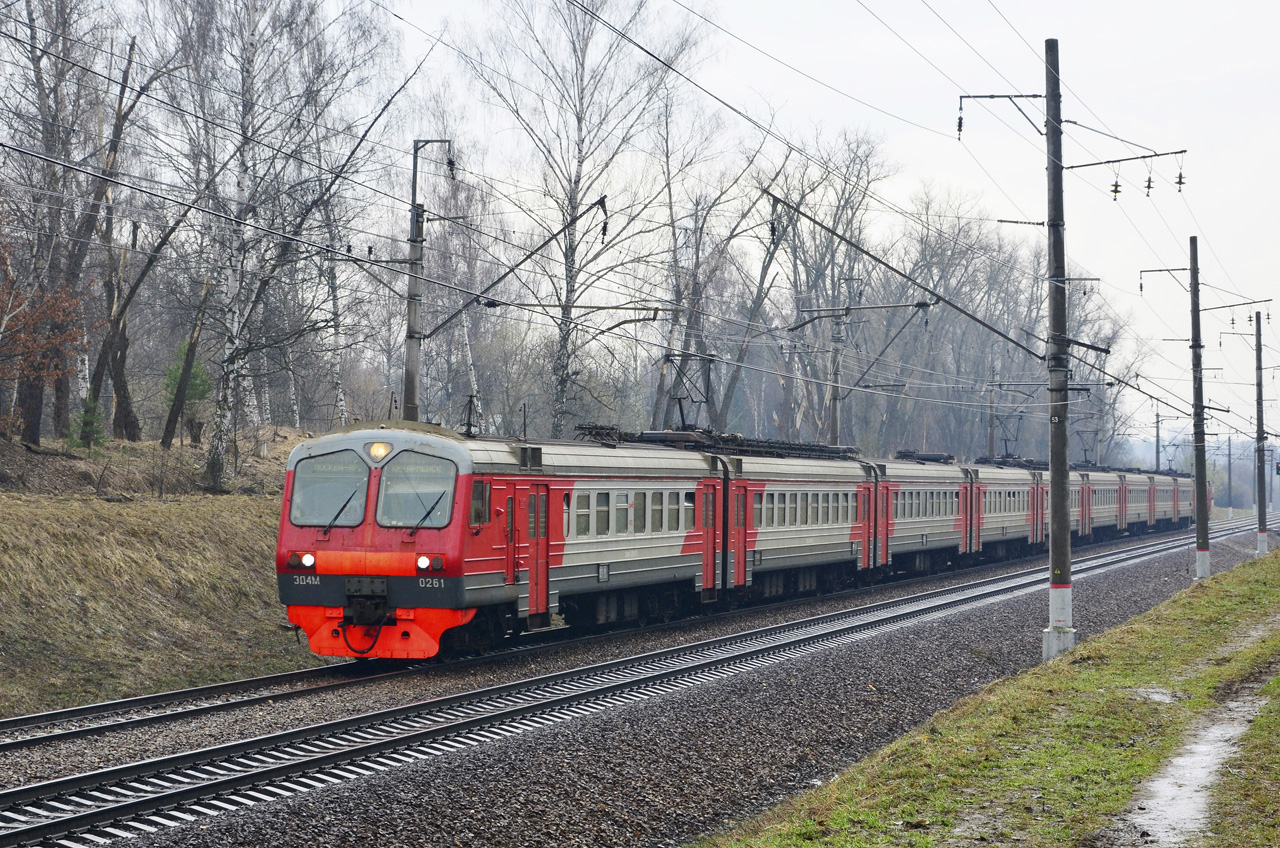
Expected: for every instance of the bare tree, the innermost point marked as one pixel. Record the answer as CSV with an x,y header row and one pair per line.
x,y
583,96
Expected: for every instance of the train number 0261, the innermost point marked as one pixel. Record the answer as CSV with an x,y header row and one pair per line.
x,y
431,582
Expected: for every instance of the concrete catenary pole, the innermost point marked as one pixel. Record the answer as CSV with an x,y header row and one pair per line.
x,y
1197,412
1059,636
1157,438
413,331
1261,498
833,412
1231,491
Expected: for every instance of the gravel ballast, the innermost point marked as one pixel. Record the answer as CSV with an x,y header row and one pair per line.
x,y
662,771
60,759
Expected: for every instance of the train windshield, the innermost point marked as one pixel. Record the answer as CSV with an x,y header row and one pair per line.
x,y
416,491
329,490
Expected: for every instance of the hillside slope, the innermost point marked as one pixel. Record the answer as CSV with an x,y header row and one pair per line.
x,y
106,599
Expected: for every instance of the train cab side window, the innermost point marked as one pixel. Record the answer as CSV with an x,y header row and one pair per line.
x,y
757,510
673,512
582,526
566,511
480,493
642,511
602,513
768,509
689,504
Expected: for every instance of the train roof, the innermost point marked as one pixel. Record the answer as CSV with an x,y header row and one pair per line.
x,y
674,458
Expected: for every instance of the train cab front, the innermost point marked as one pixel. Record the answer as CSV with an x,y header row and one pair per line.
x,y
366,562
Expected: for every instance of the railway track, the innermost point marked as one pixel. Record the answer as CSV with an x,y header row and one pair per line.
x,y
94,719
139,798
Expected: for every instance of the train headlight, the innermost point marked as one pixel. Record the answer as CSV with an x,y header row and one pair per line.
x,y
300,559
378,450
433,563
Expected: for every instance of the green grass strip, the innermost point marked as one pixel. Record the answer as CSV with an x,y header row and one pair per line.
x,y
1049,757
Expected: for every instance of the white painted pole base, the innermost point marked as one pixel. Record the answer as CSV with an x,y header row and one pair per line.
x,y
1202,565
1059,636
1057,641
1262,543
1231,512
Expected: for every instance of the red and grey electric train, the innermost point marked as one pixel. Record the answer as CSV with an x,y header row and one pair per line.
x,y
395,538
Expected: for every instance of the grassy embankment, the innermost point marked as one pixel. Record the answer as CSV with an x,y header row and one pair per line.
x,y
103,600
1050,757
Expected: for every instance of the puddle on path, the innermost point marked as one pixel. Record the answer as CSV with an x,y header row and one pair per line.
x,y
1174,805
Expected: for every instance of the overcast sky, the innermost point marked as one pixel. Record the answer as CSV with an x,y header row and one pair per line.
x,y
1166,76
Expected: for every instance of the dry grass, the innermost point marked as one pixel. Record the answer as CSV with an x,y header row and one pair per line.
x,y
131,469
101,600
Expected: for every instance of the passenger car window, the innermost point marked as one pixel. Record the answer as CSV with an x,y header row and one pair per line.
x,y
582,523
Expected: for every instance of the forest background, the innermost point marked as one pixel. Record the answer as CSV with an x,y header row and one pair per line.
x,y
204,221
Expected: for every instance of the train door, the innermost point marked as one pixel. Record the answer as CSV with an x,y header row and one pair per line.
x,y
1153,492
711,578
1037,510
738,534
537,563
865,515
1086,507
513,542
884,523
977,518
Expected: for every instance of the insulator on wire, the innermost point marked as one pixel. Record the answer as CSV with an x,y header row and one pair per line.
x,y
1139,286
1179,182
1149,186
1115,189
959,126
451,165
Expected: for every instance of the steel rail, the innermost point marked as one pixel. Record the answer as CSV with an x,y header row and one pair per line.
x,y
56,808
211,690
